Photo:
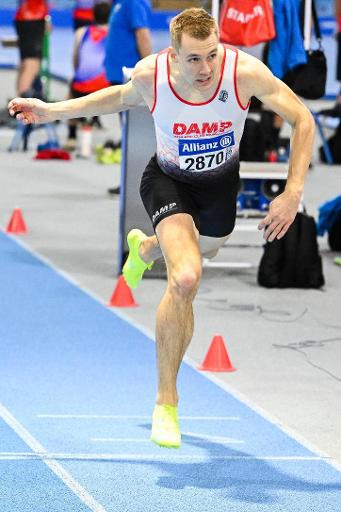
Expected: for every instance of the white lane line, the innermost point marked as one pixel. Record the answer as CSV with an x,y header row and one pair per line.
x,y
119,440
208,437
41,453
129,417
48,458
196,439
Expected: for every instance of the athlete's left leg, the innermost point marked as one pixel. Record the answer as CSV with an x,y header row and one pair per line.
x,y
209,246
143,250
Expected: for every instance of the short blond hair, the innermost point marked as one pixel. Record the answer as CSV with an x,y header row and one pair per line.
x,y
195,22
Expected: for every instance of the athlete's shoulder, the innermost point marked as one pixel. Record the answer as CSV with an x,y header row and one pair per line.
x,y
143,72
253,76
248,66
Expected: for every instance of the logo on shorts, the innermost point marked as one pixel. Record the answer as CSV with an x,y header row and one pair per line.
x,y
163,210
223,95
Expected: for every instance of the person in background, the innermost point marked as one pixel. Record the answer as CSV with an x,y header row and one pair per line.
x,y
88,56
30,27
129,40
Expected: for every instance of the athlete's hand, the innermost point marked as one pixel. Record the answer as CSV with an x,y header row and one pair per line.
x,y
282,213
30,110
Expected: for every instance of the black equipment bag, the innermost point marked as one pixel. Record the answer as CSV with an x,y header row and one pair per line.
x,y
309,80
294,261
334,235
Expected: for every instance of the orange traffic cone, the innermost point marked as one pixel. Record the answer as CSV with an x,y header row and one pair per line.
x,y
16,224
217,359
122,296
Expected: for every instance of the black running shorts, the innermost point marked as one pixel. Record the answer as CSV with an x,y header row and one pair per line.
x,y
30,38
212,204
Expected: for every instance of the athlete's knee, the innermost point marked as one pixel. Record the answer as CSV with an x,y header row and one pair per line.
x,y
184,280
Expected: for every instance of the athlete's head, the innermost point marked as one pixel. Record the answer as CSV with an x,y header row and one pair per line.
x,y
194,22
194,35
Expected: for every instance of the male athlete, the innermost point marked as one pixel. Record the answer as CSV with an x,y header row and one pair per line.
x,y
198,92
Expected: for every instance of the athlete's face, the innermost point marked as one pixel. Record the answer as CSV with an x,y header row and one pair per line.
x,y
198,60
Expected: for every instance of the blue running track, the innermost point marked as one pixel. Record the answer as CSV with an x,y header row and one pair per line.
x,y
77,386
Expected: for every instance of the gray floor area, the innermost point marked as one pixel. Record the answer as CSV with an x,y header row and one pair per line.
x,y
285,344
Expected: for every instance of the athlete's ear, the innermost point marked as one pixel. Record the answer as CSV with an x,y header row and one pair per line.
x,y
173,54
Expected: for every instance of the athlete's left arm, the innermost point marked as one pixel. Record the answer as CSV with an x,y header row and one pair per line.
x,y
260,82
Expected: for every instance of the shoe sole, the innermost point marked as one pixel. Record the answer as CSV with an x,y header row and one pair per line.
x,y
130,240
165,445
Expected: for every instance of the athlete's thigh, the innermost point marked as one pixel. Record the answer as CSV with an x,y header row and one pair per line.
x,y
162,196
179,241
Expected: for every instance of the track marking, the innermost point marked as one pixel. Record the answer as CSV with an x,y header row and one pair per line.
x,y
194,438
48,458
40,453
129,417
208,437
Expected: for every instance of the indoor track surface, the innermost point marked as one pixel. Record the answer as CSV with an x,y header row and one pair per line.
x,y
77,386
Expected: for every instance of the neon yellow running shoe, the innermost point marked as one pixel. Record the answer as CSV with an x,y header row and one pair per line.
x,y
165,428
134,267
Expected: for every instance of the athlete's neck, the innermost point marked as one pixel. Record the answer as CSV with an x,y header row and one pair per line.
x,y
187,90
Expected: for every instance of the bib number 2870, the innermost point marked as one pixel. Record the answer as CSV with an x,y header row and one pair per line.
x,y
200,155
204,162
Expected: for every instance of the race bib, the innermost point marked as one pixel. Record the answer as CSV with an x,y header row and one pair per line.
x,y
198,155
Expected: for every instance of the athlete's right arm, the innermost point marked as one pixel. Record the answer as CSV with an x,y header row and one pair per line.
x,y
143,78
110,100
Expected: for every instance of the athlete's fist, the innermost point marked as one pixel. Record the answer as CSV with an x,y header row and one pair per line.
x,y
282,213
30,110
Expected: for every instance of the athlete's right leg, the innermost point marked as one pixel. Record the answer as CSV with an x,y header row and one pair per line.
x,y
178,240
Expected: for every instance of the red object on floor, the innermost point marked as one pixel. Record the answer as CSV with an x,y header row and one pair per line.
x,y
217,358
122,296
17,224
53,154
